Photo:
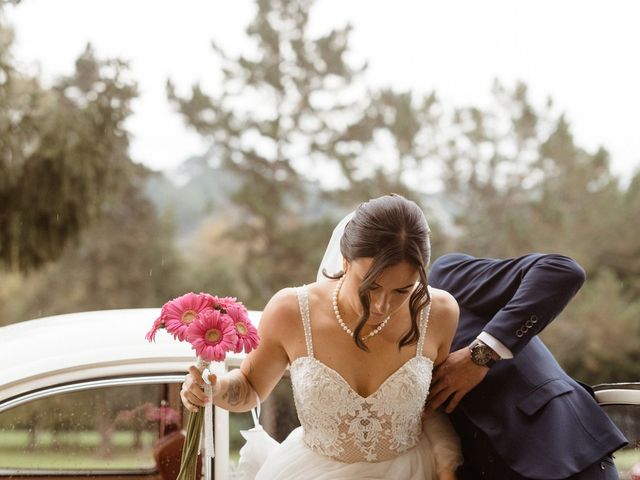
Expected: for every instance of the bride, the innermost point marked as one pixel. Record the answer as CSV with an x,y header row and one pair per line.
x,y
361,345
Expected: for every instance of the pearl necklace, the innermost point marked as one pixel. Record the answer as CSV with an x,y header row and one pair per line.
x,y
334,299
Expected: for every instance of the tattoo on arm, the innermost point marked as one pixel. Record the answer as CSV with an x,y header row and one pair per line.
x,y
238,392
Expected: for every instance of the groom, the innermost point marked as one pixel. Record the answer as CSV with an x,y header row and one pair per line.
x,y
518,414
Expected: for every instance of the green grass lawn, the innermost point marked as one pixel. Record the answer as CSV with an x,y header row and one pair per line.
x,y
79,450
50,460
121,439
75,450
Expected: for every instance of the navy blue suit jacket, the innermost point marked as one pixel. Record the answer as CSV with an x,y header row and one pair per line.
x,y
541,422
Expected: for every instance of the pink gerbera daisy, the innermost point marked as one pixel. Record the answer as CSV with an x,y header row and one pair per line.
x,y
180,312
246,332
221,303
157,324
212,335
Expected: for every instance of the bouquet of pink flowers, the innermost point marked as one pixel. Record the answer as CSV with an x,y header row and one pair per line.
x,y
213,326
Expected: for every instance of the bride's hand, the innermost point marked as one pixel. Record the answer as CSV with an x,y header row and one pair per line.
x,y
192,392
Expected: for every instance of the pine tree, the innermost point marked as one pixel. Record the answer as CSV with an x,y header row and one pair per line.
x,y
519,180
290,106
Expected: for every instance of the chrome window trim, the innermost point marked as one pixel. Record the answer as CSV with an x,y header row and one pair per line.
x,y
89,385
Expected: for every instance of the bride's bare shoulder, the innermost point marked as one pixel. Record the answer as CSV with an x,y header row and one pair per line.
x,y
282,311
444,312
441,299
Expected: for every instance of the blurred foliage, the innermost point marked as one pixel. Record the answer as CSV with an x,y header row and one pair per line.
x,y
293,105
513,180
512,154
256,212
126,259
63,151
597,338
265,119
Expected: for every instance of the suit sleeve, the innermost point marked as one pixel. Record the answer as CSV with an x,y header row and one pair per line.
x,y
518,296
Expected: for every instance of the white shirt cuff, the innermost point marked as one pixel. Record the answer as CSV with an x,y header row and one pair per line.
x,y
495,344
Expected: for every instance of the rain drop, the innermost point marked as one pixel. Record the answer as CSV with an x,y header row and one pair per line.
x,y
151,272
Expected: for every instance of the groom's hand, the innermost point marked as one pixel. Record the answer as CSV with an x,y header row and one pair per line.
x,y
454,378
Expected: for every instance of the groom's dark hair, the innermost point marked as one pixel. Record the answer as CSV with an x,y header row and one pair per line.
x,y
390,229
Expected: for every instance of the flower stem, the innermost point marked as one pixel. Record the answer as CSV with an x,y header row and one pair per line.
x,y
188,463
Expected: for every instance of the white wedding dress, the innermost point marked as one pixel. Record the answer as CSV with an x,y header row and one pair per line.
x,y
346,436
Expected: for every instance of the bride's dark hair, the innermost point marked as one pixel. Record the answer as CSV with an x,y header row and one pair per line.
x,y
390,229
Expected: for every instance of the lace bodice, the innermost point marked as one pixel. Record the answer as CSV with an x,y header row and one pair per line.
x,y
340,423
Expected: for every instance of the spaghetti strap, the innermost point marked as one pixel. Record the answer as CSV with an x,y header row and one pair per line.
x,y
424,322
303,301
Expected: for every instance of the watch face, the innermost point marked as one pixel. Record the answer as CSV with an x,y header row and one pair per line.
x,y
481,354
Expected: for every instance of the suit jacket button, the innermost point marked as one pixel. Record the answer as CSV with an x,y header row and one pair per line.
x,y
528,324
533,318
491,459
519,333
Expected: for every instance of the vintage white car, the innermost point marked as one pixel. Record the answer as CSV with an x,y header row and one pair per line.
x,y
85,394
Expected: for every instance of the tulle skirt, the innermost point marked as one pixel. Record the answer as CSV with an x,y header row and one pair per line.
x,y
293,459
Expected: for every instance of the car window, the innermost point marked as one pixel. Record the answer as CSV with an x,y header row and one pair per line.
x,y
109,428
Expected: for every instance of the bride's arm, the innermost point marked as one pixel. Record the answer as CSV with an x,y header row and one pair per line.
x,y
444,441
259,372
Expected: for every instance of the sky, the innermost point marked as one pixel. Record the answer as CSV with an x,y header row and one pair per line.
x,y
581,53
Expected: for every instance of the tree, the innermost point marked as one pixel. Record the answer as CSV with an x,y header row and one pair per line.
x,y
621,243
63,152
125,259
399,149
280,110
293,103
514,155
596,339
520,183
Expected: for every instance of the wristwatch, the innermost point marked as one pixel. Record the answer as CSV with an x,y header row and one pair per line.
x,y
482,354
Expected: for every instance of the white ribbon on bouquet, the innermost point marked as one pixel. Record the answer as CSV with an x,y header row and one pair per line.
x,y
209,451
